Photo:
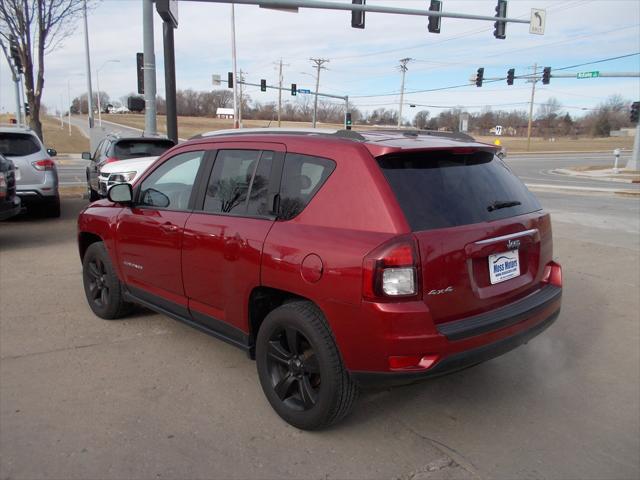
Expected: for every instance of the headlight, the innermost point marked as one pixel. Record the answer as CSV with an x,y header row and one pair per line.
x,y
121,177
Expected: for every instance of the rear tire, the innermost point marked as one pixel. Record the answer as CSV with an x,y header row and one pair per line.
x,y
52,209
300,367
102,287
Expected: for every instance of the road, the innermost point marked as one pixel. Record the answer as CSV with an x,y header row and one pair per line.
x,y
537,169
146,397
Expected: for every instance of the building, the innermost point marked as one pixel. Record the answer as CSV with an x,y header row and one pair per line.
x,y
225,113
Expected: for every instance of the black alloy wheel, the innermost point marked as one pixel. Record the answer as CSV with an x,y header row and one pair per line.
x,y
98,285
102,286
294,369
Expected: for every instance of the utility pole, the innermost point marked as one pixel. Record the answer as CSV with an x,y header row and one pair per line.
x,y
319,66
403,70
150,125
236,123
533,94
240,99
88,62
280,90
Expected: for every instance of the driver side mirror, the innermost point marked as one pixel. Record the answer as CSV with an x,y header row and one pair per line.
x,y
120,193
86,156
52,152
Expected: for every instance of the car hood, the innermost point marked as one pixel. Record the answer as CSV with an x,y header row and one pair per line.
x,y
130,165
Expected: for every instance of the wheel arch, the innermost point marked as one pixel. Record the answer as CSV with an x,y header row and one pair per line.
x,y
262,301
85,240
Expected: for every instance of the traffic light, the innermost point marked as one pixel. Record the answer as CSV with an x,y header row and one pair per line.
x,y
479,77
546,75
357,17
500,28
27,110
140,72
635,112
15,54
434,22
511,75
294,89
263,85
230,80
347,120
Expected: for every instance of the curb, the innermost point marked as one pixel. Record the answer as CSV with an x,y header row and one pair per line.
x,y
605,178
560,152
570,189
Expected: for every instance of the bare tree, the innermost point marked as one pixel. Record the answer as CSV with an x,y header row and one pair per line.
x,y
38,26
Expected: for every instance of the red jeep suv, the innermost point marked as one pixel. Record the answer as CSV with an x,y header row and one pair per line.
x,y
335,259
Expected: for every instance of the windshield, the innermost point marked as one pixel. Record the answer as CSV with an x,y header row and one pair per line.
x,y
125,149
18,144
440,189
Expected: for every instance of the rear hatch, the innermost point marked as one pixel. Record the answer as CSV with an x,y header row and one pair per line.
x,y
24,149
483,237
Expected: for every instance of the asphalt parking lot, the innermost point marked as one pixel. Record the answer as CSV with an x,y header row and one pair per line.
x,y
146,397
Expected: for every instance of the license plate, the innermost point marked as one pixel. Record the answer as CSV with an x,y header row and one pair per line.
x,y
503,266
17,174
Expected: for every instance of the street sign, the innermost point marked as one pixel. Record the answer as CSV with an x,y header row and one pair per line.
x,y
537,21
304,90
498,130
595,74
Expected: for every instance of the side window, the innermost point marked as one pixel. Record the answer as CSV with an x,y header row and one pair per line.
x,y
239,182
302,177
169,186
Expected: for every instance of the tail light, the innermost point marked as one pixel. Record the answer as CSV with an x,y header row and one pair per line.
x,y
46,164
552,274
391,271
3,186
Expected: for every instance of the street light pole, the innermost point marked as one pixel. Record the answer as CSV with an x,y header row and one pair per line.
x,y
236,123
533,94
69,106
98,85
88,61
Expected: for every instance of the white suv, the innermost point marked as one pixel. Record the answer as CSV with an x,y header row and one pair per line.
x,y
123,171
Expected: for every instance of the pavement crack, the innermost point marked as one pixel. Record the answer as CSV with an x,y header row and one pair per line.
x,y
79,347
456,458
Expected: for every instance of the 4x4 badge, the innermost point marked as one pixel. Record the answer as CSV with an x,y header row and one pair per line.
x,y
438,292
513,244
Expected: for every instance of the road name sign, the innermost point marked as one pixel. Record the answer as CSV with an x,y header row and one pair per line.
x,y
537,21
304,90
595,74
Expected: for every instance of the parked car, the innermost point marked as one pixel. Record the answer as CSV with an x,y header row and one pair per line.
x,y
335,259
9,200
114,148
122,171
36,173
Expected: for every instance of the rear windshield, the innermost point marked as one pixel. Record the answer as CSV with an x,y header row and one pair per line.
x,y
18,144
125,149
442,189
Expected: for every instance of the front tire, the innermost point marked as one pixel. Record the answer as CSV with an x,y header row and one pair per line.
x,y
300,367
102,287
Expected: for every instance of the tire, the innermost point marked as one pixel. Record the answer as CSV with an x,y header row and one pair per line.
x,y
102,287
300,367
52,209
93,195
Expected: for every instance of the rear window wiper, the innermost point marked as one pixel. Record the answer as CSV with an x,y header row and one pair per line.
x,y
500,204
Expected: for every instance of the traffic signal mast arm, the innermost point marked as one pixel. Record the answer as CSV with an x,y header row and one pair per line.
x,y
311,92
322,5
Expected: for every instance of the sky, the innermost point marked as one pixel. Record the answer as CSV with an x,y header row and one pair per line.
x,y
363,63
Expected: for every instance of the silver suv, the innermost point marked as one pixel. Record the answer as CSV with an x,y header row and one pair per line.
x,y
36,174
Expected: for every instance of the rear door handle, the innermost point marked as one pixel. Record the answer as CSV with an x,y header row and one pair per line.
x,y
169,227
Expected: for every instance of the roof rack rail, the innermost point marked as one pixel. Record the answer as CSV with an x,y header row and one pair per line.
x,y
346,134
429,133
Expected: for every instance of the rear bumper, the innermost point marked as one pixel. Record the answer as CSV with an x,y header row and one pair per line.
x,y
36,197
473,340
10,209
